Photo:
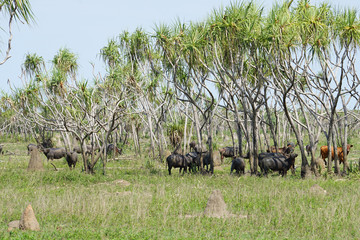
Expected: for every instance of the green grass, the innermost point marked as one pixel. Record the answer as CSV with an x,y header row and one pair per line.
x,y
73,205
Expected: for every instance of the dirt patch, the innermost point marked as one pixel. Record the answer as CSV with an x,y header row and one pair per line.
x,y
122,194
316,189
13,225
118,182
121,182
218,168
340,180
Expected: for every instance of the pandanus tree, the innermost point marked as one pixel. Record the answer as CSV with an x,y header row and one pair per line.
x,y
233,34
285,44
134,64
119,77
32,66
137,50
332,40
339,78
15,10
303,40
184,50
279,45
73,107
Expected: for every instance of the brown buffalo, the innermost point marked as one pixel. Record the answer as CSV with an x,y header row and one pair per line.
x,y
284,150
324,153
227,152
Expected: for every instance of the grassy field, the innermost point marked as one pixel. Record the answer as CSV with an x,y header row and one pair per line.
x,y
138,200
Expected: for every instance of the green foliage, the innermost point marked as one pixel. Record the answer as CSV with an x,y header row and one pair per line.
x,y
110,53
354,167
215,145
33,65
65,62
22,9
176,127
347,27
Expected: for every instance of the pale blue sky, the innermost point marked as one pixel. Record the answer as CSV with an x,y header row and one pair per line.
x,y
85,26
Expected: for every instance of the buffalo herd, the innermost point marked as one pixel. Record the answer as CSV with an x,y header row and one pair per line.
x,y
70,156
279,159
189,161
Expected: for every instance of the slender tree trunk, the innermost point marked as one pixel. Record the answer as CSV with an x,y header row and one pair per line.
x,y
138,138
210,145
199,137
151,135
273,129
305,168
161,143
255,142
336,157
135,137
345,135
190,132
104,154
185,128
230,129
285,130
330,142
239,136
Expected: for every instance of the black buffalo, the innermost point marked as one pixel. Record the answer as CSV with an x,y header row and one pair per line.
x,y
179,161
227,152
196,159
112,148
284,151
238,164
89,149
276,162
71,159
54,153
192,145
77,149
308,149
